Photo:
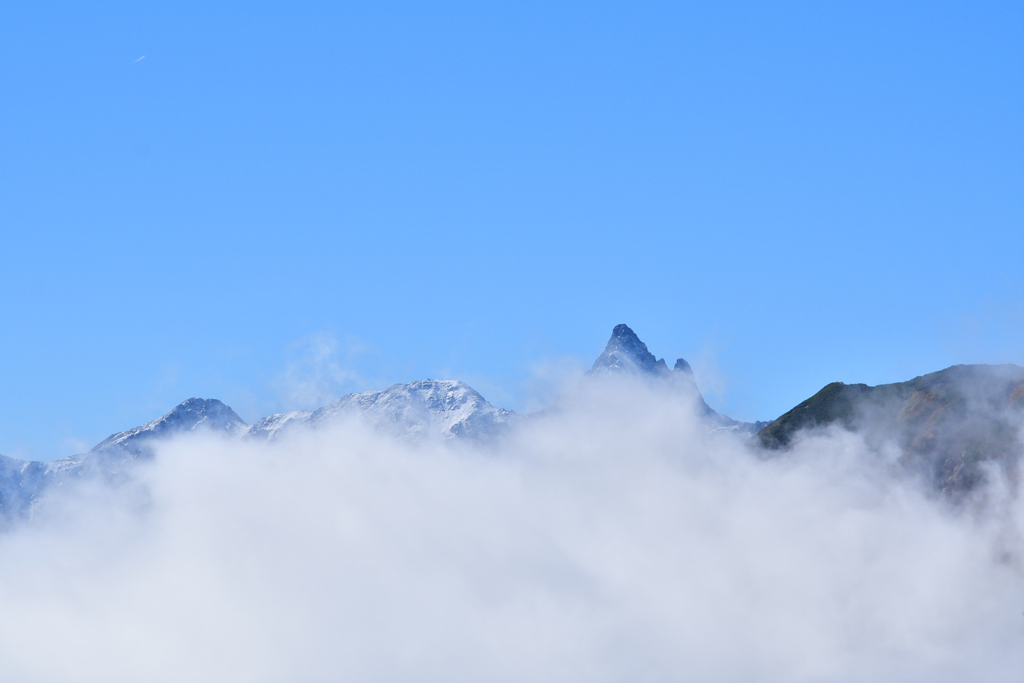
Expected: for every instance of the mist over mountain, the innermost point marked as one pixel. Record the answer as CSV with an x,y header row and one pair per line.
x,y
190,415
626,355
954,425
424,409
22,483
421,533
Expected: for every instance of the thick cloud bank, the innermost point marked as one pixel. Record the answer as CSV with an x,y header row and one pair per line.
x,y
613,539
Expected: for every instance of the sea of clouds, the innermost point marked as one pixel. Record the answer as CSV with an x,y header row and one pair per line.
x,y
612,538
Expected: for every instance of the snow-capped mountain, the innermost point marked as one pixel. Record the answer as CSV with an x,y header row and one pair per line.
x,y
22,482
188,416
426,409
429,408
625,354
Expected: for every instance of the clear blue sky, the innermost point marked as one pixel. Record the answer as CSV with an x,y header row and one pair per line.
x,y
786,196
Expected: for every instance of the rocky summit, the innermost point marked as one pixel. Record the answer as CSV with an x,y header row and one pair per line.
x,y
625,354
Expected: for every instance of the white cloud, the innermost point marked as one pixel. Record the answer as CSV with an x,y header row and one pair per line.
x,y
613,540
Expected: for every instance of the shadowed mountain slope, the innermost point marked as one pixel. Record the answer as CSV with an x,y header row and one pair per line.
x,y
949,424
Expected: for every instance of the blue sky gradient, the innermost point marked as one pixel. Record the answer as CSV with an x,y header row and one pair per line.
x,y
279,204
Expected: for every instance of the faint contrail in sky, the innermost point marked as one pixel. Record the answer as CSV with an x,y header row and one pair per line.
x,y
139,59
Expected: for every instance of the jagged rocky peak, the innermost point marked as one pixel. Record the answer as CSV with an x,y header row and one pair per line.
x,y
625,353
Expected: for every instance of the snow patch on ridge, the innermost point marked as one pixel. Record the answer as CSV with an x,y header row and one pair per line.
x,y
423,409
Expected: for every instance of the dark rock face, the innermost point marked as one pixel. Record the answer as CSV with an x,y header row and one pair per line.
x,y
949,424
682,366
626,354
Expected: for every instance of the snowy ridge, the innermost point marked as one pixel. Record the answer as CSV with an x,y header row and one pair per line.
x,y
426,409
423,409
64,464
268,428
22,483
190,415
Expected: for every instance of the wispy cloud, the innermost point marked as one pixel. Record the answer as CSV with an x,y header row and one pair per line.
x,y
318,370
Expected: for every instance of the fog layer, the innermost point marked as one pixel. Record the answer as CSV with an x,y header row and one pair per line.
x,y
613,539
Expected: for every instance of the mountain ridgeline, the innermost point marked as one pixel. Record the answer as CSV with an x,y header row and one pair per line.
x,y
949,425
952,425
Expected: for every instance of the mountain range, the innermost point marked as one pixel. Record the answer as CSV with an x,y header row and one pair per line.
x,y
951,424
